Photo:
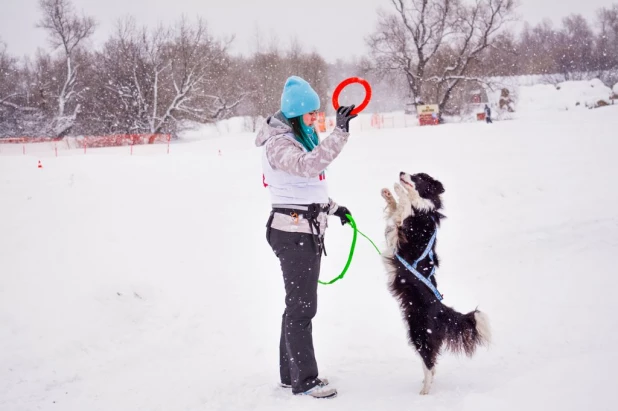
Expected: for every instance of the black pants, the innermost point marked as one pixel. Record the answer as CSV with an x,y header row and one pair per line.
x,y
300,259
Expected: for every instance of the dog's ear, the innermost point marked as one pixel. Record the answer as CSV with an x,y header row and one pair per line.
x,y
436,187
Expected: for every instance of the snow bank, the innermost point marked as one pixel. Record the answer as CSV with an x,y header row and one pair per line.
x,y
234,125
539,99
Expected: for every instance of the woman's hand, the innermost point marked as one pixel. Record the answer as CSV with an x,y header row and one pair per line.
x,y
341,213
344,115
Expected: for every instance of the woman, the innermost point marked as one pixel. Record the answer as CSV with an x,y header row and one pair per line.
x,y
293,163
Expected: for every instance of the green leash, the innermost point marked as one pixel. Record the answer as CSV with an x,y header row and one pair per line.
x,y
352,247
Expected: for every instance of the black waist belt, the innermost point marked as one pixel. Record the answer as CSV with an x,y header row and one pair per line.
x,y
310,212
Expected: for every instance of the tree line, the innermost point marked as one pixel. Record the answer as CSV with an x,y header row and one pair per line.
x,y
149,80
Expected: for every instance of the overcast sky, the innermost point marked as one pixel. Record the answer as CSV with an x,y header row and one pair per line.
x,y
334,28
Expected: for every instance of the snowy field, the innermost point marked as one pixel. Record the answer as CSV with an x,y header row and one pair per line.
x,y
144,282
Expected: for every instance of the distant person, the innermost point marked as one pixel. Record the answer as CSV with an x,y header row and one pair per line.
x,y
488,114
294,162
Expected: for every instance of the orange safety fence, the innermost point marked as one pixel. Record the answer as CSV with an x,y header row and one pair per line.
x,y
28,140
121,140
321,122
377,120
95,141
35,143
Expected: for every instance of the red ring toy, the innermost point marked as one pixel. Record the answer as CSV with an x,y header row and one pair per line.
x,y
346,83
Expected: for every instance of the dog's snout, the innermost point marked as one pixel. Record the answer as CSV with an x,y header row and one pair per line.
x,y
402,174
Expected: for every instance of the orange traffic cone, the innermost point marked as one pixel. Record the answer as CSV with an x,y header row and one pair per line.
x,y
40,165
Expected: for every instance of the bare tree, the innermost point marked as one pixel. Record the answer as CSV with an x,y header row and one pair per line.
x,y
445,37
309,66
267,71
574,48
477,26
607,43
503,58
537,49
408,40
8,69
13,83
66,31
388,89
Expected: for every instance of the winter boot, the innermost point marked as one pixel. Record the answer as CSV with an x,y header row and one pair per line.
x,y
322,382
320,392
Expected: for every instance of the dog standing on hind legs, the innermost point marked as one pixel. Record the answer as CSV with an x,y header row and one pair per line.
x,y
411,260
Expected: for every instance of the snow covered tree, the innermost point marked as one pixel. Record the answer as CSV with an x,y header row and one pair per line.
x,y
8,92
148,80
15,105
435,44
66,31
199,65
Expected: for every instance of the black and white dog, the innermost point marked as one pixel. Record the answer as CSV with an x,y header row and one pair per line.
x,y
411,260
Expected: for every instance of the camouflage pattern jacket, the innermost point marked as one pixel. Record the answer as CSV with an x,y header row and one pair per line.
x,y
294,176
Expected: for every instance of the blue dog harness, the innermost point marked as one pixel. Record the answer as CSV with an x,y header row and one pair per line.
x,y
412,268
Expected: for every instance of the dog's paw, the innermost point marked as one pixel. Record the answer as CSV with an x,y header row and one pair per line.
x,y
426,386
387,195
400,191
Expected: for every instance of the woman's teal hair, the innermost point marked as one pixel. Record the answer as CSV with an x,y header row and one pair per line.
x,y
304,134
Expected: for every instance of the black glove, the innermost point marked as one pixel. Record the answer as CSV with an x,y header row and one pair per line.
x,y
341,213
344,115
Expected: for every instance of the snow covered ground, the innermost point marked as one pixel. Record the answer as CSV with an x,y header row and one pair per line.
x,y
145,282
568,95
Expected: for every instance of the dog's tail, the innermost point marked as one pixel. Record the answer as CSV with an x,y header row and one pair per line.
x,y
465,332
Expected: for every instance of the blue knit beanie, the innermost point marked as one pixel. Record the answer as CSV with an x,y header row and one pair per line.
x,y
298,98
